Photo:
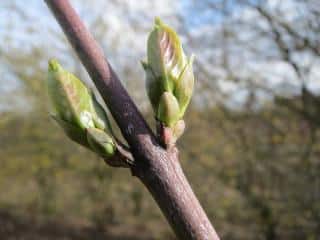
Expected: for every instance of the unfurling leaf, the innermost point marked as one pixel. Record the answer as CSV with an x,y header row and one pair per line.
x,y
184,87
77,111
169,75
70,99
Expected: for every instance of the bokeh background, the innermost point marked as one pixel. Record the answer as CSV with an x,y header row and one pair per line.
x,y
251,149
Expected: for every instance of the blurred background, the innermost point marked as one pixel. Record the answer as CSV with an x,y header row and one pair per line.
x,y
251,149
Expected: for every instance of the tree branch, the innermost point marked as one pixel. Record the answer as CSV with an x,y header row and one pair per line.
x,y
158,169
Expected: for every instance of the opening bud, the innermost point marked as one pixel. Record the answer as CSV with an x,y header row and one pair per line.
x,y
76,110
169,74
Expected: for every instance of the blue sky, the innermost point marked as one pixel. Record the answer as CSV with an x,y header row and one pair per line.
x,y
33,26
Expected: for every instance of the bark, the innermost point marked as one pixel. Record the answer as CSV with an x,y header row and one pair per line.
x,y
158,168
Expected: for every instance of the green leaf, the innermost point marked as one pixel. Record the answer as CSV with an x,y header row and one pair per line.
x,y
184,87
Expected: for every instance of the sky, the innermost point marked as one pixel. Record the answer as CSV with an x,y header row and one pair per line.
x,y
24,27
28,25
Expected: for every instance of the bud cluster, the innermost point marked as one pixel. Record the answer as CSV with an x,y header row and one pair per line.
x,y
169,78
77,111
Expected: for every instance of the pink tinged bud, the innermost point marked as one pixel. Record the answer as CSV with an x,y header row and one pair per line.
x,y
78,112
70,98
165,55
167,68
169,80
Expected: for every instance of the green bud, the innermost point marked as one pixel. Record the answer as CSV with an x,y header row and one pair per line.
x,y
76,110
169,74
100,142
168,110
165,54
70,99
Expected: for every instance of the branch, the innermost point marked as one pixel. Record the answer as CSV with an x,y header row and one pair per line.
x,y
158,169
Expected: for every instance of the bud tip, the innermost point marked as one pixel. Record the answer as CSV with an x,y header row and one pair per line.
x,y
157,21
53,65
